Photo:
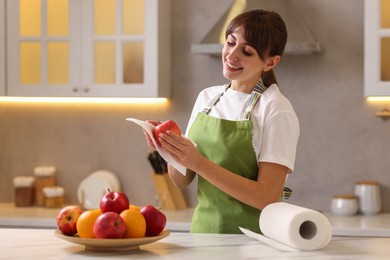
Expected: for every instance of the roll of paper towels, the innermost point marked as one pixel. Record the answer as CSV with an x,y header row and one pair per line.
x,y
294,226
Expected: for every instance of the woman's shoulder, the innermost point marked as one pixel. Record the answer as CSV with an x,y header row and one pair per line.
x,y
274,97
274,104
206,95
210,92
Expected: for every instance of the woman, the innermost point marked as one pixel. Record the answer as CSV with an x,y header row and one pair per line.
x,y
245,145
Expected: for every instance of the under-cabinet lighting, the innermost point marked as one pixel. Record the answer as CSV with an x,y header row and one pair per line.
x,y
378,98
380,101
84,100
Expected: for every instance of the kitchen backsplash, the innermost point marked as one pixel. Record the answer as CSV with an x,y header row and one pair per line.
x,y
341,139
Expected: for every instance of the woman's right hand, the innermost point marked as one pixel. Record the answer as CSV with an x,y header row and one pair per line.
x,y
151,145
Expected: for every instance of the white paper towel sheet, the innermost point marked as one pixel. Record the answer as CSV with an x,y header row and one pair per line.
x,y
284,224
149,128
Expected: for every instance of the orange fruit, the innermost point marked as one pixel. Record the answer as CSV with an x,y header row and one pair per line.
x,y
134,207
85,223
135,223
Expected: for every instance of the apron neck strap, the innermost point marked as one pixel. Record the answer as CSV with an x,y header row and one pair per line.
x,y
215,100
257,91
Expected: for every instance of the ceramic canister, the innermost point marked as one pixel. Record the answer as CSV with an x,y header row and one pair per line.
x,y
368,193
344,204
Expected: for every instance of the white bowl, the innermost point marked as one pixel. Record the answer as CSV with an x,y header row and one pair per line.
x,y
344,205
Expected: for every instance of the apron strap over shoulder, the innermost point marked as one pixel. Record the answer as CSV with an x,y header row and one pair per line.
x,y
257,91
215,100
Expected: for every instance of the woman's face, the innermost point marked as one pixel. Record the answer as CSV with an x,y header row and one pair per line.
x,y
241,62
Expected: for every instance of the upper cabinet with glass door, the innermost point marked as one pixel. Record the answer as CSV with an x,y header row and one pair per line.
x,y
377,48
96,48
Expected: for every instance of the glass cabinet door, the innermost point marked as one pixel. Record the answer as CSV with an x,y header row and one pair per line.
x,y
125,27
39,47
377,48
385,40
2,50
101,48
114,46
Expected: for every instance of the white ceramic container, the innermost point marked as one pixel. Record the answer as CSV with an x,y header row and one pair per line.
x,y
344,205
369,197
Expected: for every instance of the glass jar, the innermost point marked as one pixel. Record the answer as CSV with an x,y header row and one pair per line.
x,y
44,177
24,191
54,196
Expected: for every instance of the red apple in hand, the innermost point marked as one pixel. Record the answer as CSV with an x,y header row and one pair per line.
x,y
67,218
114,201
109,225
155,220
163,127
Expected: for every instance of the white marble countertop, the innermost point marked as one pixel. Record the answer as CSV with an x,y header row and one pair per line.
x,y
360,225
42,244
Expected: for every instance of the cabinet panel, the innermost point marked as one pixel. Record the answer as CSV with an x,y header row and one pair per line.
x,y
132,17
385,59
133,62
57,63
30,17
104,56
30,63
57,17
385,14
104,17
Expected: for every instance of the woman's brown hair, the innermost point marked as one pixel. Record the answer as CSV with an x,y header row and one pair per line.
x,y
266,32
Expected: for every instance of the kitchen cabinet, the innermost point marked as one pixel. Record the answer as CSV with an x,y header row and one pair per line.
x,y
92,48
377,48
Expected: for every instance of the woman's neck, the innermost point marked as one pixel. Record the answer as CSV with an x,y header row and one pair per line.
x,y
241,86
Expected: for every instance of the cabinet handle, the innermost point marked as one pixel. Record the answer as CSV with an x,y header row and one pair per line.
x,y
86,90
75,89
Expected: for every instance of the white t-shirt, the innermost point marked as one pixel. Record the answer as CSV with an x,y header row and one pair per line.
x,y
275,124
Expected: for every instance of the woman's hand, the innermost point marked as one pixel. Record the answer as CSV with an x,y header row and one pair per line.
x,y
151,145
181,149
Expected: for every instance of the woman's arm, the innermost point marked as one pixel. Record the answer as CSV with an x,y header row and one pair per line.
x,y
265,190
179,179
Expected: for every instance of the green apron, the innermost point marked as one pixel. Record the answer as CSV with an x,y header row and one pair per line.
x,y
228,144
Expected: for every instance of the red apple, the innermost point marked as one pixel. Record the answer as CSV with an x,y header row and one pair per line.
x,y
109,225
114,201
67,218
155,220
163,127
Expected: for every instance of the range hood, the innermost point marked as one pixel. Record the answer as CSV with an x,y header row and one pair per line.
x,y
300,41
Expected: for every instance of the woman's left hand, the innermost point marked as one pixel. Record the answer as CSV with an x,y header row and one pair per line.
x,y
181,149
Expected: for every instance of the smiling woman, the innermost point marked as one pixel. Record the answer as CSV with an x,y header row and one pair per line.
x,y
245,132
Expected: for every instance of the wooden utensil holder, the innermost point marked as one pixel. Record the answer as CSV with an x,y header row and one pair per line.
x,y
171,197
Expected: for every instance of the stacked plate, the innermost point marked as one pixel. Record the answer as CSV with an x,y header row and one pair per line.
x,y
93,187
